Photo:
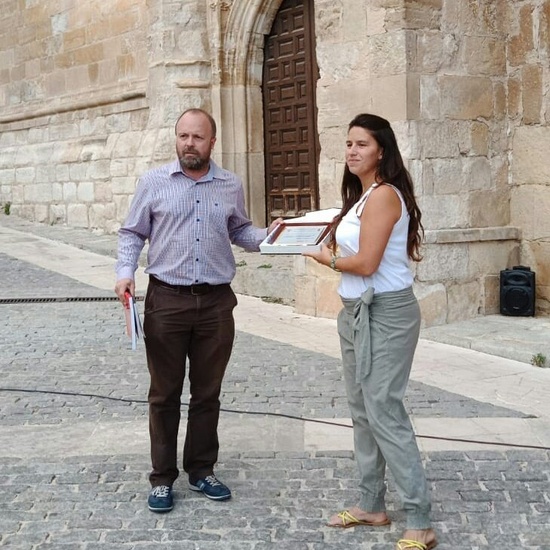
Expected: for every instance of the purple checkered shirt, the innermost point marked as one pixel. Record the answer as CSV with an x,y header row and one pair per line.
x,y
190,226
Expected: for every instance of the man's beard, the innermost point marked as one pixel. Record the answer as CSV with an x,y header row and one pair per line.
x,y
193,162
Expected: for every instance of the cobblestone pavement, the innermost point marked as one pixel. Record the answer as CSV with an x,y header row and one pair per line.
x,y
67,376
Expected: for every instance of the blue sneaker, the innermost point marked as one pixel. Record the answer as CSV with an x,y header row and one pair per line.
x,y
160,499
211,487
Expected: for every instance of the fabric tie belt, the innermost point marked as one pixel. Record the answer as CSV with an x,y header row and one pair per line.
x,y
194,290
366,308
361,328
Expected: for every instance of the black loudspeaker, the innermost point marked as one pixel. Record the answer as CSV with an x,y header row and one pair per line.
x,y
517,291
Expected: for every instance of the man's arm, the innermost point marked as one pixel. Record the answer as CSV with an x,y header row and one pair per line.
x,y
131,240
243,233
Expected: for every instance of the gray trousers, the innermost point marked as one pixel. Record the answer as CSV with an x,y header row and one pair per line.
x,y
378,337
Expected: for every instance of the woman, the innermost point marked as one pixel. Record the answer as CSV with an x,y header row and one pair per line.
x,y
376,233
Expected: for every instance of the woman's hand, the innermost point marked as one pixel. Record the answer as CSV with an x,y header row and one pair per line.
x,y
322,256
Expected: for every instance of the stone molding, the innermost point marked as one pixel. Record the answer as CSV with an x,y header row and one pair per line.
x,y
77,102
472,235
122,105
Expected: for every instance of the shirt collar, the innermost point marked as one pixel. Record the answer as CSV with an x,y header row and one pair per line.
x,y
214,172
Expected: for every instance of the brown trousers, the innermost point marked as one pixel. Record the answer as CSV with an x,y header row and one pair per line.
x,y
178,326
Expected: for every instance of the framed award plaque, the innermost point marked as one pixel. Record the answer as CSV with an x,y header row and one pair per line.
x,y
296,237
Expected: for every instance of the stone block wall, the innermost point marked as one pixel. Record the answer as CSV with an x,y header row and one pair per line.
x,y
529,120
57,56
444,73
458,152
89,93
73,114
77,168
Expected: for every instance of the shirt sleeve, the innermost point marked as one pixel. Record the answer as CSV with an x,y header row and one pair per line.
x,y
241,231
132,235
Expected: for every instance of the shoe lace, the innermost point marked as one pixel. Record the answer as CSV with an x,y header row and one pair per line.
x,y
212,481
162,491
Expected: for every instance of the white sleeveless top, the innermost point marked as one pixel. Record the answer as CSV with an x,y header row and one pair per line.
x,y
394,272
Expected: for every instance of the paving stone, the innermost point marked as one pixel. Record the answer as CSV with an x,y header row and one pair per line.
x,y
68,364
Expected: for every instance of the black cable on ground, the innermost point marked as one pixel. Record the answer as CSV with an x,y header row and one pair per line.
x,y
279,415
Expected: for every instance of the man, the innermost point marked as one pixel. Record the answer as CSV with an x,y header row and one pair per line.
x,y
190,211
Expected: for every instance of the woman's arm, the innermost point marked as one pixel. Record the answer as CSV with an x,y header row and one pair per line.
x,y
381,212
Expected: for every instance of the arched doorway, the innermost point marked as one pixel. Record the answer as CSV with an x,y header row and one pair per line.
x,y
291,141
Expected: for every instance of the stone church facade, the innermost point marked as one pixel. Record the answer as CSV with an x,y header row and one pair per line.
x,y
90,91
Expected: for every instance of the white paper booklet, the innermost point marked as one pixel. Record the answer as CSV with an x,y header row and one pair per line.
x,y
134,328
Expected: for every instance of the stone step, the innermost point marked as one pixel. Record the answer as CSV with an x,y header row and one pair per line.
x,y
270,277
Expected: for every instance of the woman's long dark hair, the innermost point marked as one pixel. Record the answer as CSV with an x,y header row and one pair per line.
x,y
391,169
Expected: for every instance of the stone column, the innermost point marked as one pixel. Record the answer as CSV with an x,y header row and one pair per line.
x,y
180,74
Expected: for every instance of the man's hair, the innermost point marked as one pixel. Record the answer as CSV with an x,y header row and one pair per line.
x,y
196,110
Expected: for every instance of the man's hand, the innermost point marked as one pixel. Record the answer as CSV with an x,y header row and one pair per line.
x,y
274,224
122,286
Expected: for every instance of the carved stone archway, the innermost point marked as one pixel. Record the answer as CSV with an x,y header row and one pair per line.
x,y
237,33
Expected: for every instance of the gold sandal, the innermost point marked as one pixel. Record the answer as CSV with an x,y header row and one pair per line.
x,y
349,520
407,544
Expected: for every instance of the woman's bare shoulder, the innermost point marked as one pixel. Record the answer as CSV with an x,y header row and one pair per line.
x,y
384,192
383,201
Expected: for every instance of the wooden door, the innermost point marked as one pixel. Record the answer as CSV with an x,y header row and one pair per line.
x,y
290,112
